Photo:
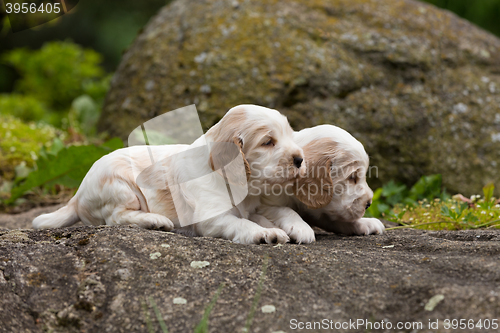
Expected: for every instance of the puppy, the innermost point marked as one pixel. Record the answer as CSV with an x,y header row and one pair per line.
x,y
333,195
181,191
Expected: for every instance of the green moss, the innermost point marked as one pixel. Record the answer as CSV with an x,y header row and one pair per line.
x,y
21,143
26,108
434,215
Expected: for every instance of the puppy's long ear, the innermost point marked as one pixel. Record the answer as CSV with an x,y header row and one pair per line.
x,y
315,190
228,159
226,147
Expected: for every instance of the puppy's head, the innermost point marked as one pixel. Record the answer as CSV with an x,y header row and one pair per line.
x,y
336,173
264,139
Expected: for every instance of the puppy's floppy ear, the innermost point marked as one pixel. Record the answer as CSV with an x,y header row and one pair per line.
x,y
315,189
228,159
226,147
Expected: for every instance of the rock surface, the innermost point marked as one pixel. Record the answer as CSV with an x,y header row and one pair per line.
x,y
98,279
418,86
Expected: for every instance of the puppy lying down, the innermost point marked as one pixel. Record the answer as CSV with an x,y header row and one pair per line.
x,y
335,185
190,193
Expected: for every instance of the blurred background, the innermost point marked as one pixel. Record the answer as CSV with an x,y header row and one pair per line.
x,y
48,119
109,28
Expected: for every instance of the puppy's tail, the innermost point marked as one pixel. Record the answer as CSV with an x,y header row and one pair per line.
x,y
63,217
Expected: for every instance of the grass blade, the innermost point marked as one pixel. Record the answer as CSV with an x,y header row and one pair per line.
x,y
158,315
256,298
145,311
202,326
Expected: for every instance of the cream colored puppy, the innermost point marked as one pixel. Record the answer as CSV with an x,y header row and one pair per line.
x,y
333,196
181,190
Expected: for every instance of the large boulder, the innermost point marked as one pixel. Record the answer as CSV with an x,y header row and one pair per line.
x,y
418,86
101,279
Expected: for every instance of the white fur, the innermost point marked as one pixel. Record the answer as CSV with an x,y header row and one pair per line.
x,y
344,213
109,193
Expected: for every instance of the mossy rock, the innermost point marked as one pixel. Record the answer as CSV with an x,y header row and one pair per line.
x,y
418,86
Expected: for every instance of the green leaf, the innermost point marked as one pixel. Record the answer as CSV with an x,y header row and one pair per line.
x,y
376,194
470,217
428,187
68,168
488,192
57,146
445,211
113,144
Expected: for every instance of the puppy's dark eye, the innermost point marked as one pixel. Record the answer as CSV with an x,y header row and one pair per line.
x,y
269,143
353,178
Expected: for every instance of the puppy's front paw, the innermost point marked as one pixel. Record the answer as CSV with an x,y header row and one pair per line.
x,y
368,226
156,221
300,233
271,236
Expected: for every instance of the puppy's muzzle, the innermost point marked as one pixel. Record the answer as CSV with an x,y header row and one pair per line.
x,y
297,161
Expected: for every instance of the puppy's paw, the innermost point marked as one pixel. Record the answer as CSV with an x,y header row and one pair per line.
x,y
300,233
156,221
368,226
271,236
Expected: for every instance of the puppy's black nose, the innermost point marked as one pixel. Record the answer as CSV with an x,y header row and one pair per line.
x,y
368,204
297,161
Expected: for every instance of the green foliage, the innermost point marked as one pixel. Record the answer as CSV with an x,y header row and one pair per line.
x,y
84,115
454,212
451,214
26,108
488,193
484,13
67,166
21,143
57,73
392,194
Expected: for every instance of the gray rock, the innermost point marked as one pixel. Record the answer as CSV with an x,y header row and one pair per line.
x,y
418,86
98,279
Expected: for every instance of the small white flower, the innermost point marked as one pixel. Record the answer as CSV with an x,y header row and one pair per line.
x,y
268,309
483,212
452,207
425,214
180,300
427,206
199,264
165,245
411,218
497,206
155,255
491,214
